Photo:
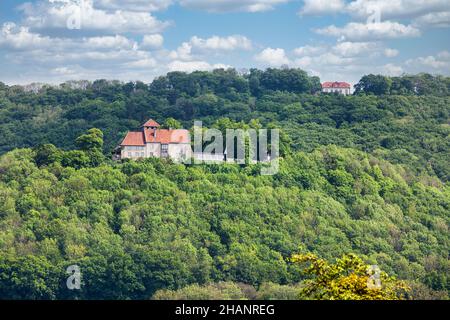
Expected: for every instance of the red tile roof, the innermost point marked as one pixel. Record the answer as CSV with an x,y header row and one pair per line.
x,y
151,123
166,136
147,135
341,85
163,136
134,139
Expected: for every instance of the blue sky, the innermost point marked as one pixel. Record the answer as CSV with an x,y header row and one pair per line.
x,y
140,39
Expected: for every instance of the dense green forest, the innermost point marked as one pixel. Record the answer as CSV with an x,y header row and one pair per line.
x,y
365,174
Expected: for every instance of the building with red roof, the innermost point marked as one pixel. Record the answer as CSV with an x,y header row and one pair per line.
x,y
151,141
339,87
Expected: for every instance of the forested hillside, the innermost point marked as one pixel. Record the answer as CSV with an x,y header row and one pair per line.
x,y
410,129
365,174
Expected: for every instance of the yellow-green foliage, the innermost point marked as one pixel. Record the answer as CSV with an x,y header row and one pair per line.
x,y
346,279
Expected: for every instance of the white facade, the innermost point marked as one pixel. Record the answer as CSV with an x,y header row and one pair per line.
x,y
133,152
344,91
178,151
175,151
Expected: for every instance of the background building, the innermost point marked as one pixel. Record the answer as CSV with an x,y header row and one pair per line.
x,y
151,141
339,87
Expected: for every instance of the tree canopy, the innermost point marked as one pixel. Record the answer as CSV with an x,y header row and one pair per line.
x,y
366,174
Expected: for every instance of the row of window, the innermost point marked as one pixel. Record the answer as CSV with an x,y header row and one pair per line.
x,y
136,154
141,153
129,148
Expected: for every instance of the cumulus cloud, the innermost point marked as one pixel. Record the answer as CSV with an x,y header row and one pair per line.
x,y
133,5
197,46
393,9
435,19
152,41
338,52
321,7
350,49
147,62
222,43
22,39
19,38
444,55
272,57
190,66
392,70
64,15
34,55
308,50
354,31
390,53
440,62
110,42
232,5
206,5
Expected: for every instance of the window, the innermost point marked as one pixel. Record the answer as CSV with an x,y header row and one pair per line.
x,y
142,155
129,154
164,150
135,148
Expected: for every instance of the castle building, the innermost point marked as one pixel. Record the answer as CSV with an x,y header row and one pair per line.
x,y
151,141
339,87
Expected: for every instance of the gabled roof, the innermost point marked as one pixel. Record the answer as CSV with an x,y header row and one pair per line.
x,y
163,136
338,85
151,123
151,134
134,139
166,136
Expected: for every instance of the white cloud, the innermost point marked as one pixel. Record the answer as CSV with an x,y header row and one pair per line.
x,y
371,31
321,7
308,50
330,66
133,5
143,63
232,5
221,43
435,19
60,15
304,62
197,47
190,66
440,62
392,9
42,57
152,41
20,38
444,55
30,56
63,71
350,49
392,70
110,42
272,57
333,59
183,52
390,53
